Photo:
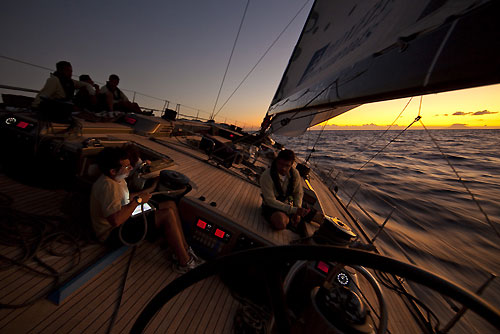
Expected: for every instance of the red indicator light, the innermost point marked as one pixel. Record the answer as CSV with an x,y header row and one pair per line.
x,y
201,224
323,267
22,125
219,233
231,135
130,120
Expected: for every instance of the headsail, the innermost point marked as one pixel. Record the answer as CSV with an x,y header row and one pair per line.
x,y
354,52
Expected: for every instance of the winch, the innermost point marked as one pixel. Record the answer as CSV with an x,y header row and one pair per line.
x,y
333,231
173,185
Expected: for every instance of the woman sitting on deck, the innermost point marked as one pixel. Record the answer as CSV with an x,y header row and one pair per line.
x,y
111,205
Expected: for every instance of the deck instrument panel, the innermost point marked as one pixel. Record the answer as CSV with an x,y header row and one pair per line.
x,y
211,233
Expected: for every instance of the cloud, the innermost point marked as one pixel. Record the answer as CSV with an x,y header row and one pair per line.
x,y
484,112
477,113
458,126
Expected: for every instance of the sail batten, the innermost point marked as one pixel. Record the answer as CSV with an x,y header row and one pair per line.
x,y
390,49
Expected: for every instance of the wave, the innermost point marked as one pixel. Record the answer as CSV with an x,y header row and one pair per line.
x,y
435,221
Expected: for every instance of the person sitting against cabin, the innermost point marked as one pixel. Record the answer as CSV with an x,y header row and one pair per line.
x,y
86,97
111,205
113,99
54,101
282,192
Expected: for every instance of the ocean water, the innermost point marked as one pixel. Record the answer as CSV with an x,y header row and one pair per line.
x,y
435,221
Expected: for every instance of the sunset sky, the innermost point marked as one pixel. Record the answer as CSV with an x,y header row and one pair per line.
x,y
178,51
472,108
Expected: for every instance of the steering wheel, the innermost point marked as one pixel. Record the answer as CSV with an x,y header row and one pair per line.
x,y
267,256
372,282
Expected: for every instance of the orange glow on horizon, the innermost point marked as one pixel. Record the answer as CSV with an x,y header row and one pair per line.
x,y
474,107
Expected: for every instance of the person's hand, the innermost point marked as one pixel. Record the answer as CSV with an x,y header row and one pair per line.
x,y
145,197
295,219
302,212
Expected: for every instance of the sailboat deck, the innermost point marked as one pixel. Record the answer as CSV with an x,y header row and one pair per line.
x,y
237,198
205,307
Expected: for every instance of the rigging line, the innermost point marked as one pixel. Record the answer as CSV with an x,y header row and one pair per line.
x,y
314,98
309,136
304,106
230,57
386,130
317,140
462,181
438,52
300,109
262,57
271,131
124,89
26,63
420,105
37,66
383,148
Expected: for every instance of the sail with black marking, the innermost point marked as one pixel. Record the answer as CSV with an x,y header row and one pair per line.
x,y
355,52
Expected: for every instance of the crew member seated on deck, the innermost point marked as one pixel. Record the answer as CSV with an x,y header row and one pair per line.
x,y
282,192
113,99
111,205
86,97
54,101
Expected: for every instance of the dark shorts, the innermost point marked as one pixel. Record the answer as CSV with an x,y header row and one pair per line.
x,y
268,211
133,230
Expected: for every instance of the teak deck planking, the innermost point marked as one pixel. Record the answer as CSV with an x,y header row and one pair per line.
x,y
204,307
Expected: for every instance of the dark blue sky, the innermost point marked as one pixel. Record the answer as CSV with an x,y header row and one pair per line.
x,y
176,50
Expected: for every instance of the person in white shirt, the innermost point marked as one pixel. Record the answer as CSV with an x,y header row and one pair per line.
x,y
86,97
111,205
55,99
113,99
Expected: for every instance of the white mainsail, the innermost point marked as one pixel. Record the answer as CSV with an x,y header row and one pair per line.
x,y
354,52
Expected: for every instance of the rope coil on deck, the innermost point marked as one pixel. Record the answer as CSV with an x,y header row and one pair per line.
x,y
33,235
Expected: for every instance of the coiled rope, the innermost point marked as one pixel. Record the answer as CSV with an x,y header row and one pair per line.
x,y
33,235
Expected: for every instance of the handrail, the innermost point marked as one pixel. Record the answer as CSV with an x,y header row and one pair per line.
x,y
19,89
166,105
